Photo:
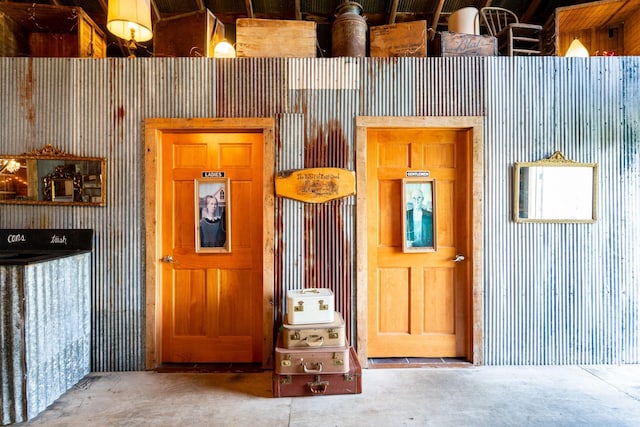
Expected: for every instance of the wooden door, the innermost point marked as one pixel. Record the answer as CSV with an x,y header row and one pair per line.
x,y
418,301
212,302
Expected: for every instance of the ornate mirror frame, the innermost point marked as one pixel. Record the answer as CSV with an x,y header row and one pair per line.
x,y
50,176
555,190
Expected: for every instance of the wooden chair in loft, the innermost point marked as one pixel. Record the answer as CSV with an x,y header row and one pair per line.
x,y
514,37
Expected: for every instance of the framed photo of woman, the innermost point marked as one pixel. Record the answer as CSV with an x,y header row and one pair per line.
x,y
212,215
418,218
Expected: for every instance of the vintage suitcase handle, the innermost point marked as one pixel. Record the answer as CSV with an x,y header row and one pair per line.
x,y
310,291
317,386
314,340
312,371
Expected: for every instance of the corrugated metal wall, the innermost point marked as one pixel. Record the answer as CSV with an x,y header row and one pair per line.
x,y
558,293
563,293
45,333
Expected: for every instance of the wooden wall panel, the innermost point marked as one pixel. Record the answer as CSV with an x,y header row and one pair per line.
x,y
632,34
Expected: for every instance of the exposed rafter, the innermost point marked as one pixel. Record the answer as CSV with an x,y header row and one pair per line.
x,y
155,11
393,10
298,11
531,10
436,19
249,7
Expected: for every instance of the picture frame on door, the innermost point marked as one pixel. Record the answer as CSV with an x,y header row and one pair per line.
x,y
212,215
418,216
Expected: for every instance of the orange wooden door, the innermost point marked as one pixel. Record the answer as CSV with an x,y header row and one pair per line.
x,y
418,301
212,302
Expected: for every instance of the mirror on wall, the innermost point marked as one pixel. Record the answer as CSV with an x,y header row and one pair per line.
x,y
555,190
51,176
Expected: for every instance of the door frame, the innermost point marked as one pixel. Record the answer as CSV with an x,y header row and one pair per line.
x,y
474,318
154,130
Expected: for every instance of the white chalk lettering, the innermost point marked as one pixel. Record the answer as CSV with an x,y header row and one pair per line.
x,y
58,240
16,238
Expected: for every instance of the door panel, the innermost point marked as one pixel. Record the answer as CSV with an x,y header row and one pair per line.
x,y
212,302
417,300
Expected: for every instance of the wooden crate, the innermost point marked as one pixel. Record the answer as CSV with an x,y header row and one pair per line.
x,y
189,34
40,30
261,38
402,39
446,43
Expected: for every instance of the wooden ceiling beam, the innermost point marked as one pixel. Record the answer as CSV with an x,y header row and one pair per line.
x,y
393,11
298,11
249,6
155,11
200,3
531,10
436,19
103,5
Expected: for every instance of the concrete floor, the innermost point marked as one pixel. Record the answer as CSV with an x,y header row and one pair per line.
x,y
459,396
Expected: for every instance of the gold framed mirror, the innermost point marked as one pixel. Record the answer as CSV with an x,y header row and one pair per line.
x,y
51,176
555,190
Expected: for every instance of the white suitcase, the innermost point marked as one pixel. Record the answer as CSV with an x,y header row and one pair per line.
x,y
310,305
315,335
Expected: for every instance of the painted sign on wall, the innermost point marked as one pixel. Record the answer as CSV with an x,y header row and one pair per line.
x,y
316,185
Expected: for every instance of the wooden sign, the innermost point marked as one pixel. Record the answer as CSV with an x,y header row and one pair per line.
x,y
316,185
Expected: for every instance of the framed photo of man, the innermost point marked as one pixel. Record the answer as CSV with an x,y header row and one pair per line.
x,y
419,219
212,215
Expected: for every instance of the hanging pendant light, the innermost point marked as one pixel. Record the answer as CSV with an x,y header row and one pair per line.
x,y
130,19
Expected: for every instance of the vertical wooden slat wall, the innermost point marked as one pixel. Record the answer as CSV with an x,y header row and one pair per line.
x,y
553,293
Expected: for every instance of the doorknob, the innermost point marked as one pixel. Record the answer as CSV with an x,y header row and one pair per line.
x,y
458,258
167,258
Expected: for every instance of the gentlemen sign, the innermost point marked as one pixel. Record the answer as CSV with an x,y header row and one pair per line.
x,y
418,174
316,185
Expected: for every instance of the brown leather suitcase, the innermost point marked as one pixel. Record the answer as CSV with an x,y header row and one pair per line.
x,y
312,360
320,384
315,335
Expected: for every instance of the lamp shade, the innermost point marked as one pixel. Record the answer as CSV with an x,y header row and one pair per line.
x,y
577,49
224,49
123,16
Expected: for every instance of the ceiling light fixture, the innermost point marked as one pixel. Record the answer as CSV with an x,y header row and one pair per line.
x,y
130,20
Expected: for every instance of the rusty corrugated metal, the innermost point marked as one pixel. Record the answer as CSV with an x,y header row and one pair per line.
x,y
327,93
290,261
553,294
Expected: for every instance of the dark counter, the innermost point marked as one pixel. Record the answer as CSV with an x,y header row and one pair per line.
x,y
27,257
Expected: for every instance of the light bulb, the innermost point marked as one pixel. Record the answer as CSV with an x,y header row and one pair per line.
x,y
577,49
224,49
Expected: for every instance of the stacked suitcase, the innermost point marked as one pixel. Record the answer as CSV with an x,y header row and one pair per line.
x,y
312,355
